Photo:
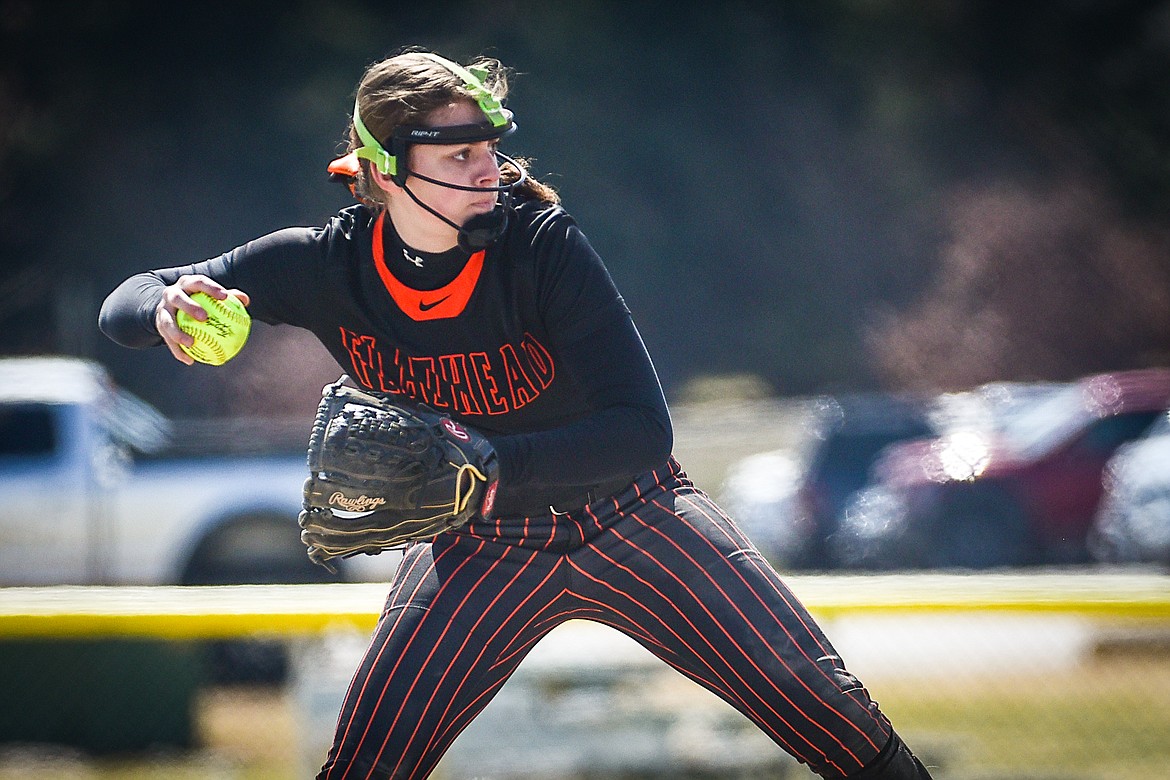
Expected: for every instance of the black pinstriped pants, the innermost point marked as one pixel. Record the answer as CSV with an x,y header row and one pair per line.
x,y
658,561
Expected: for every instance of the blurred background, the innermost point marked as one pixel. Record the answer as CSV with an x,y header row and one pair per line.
x,y
821,195
903,268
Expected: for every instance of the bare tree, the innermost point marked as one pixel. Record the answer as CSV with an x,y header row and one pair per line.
x,y
1035,281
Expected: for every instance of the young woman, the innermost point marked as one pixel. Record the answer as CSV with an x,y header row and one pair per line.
x,y
458,281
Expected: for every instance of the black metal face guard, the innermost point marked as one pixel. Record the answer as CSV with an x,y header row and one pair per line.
x,y
405,135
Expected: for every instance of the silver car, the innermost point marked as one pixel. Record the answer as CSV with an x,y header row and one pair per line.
x,y
1133,523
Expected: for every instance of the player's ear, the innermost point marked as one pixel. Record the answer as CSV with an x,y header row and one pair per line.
x,y
383,181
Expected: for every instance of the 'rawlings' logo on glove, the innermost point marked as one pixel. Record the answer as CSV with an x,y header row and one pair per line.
x,y
362,503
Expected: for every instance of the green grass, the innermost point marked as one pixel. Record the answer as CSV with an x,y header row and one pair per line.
x,y
1109,720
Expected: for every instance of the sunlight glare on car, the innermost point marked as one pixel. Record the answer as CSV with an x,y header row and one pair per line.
x,y
962,456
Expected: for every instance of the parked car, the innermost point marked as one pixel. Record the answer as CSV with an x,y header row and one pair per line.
x,y
788,503
1024,492
1133,522
760,494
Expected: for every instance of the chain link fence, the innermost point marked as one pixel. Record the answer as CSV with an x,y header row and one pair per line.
x,y
997,677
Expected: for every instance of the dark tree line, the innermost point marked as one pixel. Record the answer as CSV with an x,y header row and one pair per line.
x,y
824,194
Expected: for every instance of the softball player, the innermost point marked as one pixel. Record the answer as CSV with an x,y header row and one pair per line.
x,y
460,282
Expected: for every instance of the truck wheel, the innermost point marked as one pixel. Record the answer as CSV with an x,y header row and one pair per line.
x,y
254,550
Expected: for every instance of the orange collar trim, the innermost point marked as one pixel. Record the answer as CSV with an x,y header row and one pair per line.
x,y
448,301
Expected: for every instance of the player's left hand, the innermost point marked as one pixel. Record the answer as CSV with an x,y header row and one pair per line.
x,y
383,474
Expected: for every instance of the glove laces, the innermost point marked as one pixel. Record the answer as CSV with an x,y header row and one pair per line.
x,y
466,473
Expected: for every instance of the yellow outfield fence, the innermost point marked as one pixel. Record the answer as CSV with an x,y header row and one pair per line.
x,y
208,612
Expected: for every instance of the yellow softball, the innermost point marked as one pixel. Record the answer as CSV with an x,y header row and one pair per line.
x,y
222,335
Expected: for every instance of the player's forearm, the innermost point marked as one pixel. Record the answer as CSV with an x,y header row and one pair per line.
x,y
615,442
127,315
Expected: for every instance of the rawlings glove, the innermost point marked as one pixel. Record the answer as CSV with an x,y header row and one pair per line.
x,y
383,474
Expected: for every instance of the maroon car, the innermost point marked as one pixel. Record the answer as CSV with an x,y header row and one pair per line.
x,y
1021,492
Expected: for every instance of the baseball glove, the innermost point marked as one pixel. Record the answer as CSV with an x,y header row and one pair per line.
x,y
383,474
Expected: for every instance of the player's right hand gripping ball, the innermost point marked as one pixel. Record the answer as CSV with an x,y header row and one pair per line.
x,y
383,474
221,336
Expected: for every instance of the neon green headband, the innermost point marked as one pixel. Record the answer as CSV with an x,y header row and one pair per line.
x,y
371,149
473,77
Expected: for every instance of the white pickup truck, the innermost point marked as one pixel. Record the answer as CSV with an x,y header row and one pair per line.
x,y
92,493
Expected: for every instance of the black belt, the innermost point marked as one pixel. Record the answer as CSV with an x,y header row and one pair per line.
x,y
573,502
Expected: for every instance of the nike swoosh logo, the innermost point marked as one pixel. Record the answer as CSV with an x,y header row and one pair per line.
x,y
424,306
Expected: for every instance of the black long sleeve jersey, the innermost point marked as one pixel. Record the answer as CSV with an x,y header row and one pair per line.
x,y
528,341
